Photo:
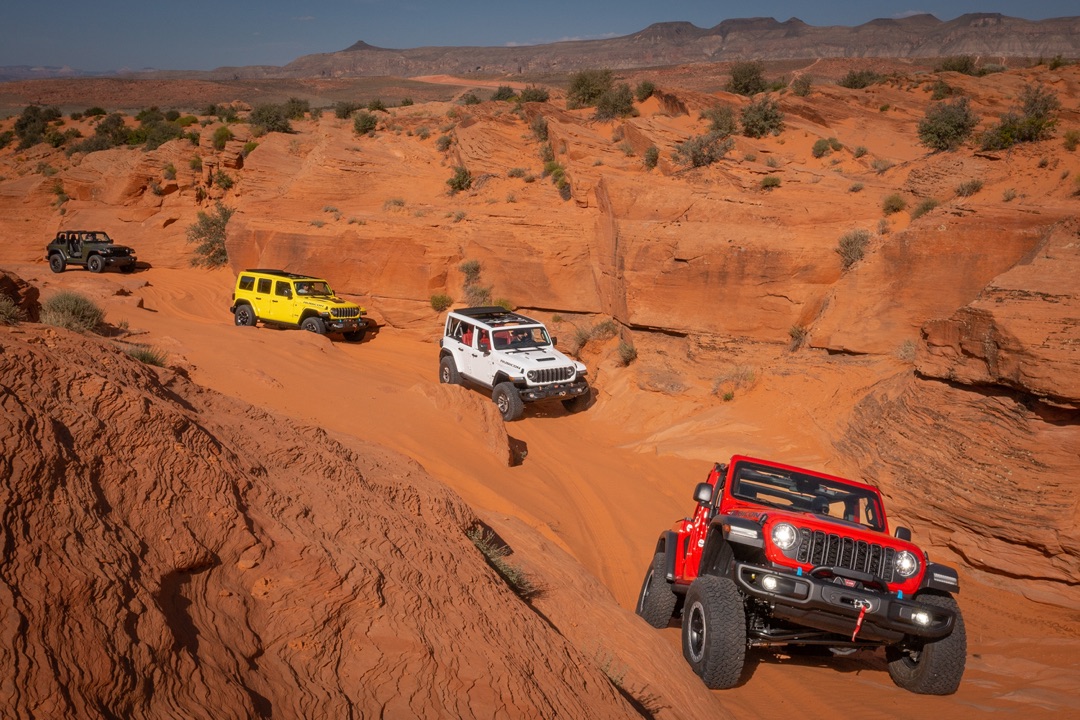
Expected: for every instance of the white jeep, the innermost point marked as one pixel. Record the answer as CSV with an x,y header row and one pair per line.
x,y
511,355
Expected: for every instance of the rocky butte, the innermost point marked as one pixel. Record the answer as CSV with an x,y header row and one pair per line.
x,y
275,523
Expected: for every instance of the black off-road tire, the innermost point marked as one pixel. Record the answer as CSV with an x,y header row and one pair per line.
x,y
448,372
714,631
95,264
314,324
656,601
57,263
934,667
244,316
356,335
508,401
579,403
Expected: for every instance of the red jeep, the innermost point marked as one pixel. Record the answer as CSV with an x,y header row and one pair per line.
x,y
776,555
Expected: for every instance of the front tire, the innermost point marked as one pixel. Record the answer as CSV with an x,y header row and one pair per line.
x,y
314,324
932,667
714,631
57,263
508,401
656,601
244,316
448,372
579,403
95,264
356,335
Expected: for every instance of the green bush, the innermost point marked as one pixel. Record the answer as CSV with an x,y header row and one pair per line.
x,y
644,90
587,86
747,78
147,354
539,128
195,163
940,90
442,143
798,335
1034,121
516,172
721,120
495,552
344,109
801,85
852,247
470,98
859,151
223,180
702,150
893,203
762,117
169,171
364,123
959,63
947,126
616,102
531,93
627,353
969,188
880,165
10,313
924,207
31,125
440,302
221,136
460,180
95,111
406,101
651,157
858,79
503,93
270,118
1072,139
821,148
769,182
249,147
295,108
208,234
72,311
377,105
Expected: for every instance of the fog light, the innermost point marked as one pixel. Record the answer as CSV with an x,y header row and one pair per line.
x,y
920,617
769,583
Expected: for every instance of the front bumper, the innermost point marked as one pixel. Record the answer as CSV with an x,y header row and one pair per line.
x,y
832,606
561,391
345,324
119,261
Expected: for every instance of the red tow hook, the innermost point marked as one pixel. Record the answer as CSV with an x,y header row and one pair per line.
x,y
863,606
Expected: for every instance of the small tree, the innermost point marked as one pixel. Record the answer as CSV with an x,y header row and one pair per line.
x,y
208,233
270,118
747,78
461,180
587,86
947,126
762,117
614,103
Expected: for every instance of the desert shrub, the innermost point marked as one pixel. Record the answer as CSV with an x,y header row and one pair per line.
x,y
762,117
801,85
946,126
208,235
859,151
72,311
169,171
539,128
852,246
958,63
940,90
470,98
442,143
747,78
344,109
503,93
587,86
495,552
798,335
924,207
644,90
821,148
721,120
516,172
769,182
858,79
772,162
460,180
249,147
76,116
440,302
223,180
893,203
616,102
147,354
195,163
547,154
364,123
221,136
1034,121
95,111
270,118
377,105
835,144
31,125
10,313
295,108
627,353
531,93
1072,140
604,330
969,188
1009,195
880,165
651,157
702,150
6,137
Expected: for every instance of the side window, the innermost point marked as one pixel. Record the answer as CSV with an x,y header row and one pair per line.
x,y
264,286
453,328
467,332
247,283
484,343
283,288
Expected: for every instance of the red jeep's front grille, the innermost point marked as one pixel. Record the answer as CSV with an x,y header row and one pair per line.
x,y
818,548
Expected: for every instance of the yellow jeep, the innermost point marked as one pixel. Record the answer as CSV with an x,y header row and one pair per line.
x,y
286,299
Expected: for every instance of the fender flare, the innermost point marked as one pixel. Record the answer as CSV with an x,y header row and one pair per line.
x,y
940,577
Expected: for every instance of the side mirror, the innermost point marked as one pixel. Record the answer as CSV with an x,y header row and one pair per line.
x,y
902,533
703,493
554,340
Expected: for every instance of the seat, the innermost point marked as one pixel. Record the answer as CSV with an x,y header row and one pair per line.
x,y
466,338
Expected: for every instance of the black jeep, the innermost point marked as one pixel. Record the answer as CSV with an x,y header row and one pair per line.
x,y
92,248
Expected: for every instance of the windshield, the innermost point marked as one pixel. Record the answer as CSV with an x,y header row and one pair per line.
x,y
521,338
314,287
790,490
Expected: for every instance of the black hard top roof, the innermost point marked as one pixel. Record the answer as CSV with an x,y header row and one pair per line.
x,y
496,315
281,273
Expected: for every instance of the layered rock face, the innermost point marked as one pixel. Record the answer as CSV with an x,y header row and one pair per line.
x,y
171,552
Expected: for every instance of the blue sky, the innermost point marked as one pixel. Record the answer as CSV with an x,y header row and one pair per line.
x,y
99,35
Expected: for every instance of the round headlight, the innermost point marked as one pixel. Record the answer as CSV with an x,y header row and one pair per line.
x,y
906,564
784,536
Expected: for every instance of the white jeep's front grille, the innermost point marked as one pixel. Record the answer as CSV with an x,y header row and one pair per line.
x,y
551,375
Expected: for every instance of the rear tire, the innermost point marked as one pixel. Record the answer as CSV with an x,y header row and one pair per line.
x,y
714,631
448,372
95,264
933,667
244,316
508,401
314,324
57,263
656,601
